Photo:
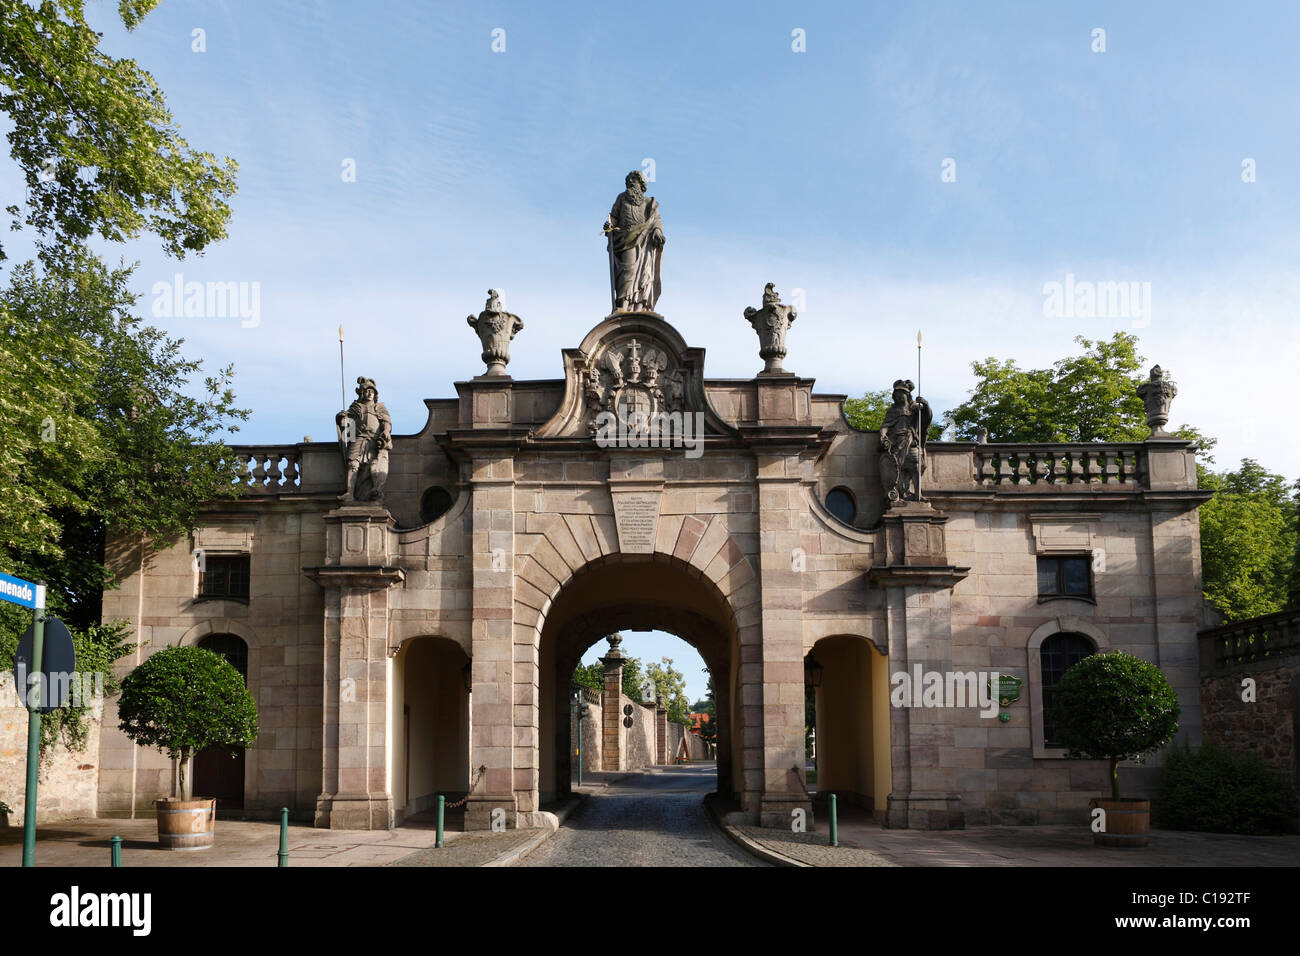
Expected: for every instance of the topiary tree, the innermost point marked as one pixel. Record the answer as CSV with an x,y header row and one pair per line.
x,y
184,700
1114,707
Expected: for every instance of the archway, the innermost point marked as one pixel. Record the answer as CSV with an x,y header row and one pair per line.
x,y
430,724
625,592
218,772
850,680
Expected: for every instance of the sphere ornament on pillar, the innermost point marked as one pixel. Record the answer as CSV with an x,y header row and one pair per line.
x,y
495,327
1157,395
771,322
615,640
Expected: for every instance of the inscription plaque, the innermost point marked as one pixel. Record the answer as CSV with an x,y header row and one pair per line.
x,y
636,513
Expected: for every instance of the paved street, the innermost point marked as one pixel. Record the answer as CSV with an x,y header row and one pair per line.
x,y
647,819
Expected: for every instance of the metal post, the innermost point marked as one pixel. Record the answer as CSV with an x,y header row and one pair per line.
x,y
442,806
835,824
34,731
116,843
283,855
582,710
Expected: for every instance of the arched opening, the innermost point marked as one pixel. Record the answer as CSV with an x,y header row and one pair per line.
x,y
430,724
218,772
849,680
626,594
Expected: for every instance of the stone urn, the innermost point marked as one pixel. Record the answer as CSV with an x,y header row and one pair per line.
x,y
495,328
1157,395
771,322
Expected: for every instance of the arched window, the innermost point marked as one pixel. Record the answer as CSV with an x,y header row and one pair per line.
x,y
1056,655
232,648
840,503
435,503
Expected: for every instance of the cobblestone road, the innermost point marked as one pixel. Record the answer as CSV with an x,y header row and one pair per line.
x,y
648,819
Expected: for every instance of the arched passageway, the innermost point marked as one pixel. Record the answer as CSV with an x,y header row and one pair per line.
x,y
850,681
631,593
430,716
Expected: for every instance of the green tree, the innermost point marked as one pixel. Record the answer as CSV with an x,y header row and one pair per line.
x,y
183,700
1114,707
1082,398
591,676
670,684
708,705
867,413
633,678
1248,541
100,153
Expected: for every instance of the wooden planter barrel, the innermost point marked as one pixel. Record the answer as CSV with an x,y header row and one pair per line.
x,y
186,824
1128,822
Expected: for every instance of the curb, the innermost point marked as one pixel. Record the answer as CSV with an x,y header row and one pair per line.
x,y
513,856
750,846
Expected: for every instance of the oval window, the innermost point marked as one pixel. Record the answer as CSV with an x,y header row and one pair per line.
x,y
840,503
434,504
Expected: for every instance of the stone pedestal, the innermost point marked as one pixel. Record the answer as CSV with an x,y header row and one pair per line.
x,y
354,776
918,583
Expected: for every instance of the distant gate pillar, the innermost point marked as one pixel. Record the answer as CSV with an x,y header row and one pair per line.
x,y
611,707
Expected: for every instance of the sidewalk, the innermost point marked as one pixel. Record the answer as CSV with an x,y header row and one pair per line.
x,y
863,842
85,843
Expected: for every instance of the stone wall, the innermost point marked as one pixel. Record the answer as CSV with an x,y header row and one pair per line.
x,y
591,735
1265,652
68,780
640,737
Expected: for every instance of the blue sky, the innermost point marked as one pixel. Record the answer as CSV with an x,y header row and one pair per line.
x,y
818,170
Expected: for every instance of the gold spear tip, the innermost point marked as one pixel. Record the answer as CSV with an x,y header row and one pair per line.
x,y
340,333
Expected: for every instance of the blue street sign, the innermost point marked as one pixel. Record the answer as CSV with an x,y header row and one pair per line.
x,y
17,591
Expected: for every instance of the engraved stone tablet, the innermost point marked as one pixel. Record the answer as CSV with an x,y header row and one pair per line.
x,y
636,513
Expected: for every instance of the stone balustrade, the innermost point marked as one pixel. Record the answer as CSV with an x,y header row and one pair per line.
x,y
1268,639
269,469
1010,467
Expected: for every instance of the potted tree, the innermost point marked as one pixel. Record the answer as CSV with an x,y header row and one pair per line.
x,y
183,700
1116,707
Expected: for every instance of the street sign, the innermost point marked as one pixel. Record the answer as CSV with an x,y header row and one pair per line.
x,y
17,591
627,711
58,665
627,721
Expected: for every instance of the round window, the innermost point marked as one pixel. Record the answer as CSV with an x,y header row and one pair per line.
x,y
840,503
434,504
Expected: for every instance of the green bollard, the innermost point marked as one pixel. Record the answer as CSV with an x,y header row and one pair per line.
x,y
835,825
116,843
283,855
442,805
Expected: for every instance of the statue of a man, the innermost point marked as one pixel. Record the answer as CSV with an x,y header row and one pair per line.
x,y
636,243
365,435
902,444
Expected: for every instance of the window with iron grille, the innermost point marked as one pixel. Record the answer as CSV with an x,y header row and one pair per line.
x,y
1058,654
1066,576
225,576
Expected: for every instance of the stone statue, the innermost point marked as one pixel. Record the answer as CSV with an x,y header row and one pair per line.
x,y
902,444
636,244
1157,395
771,322
495,327
365,435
